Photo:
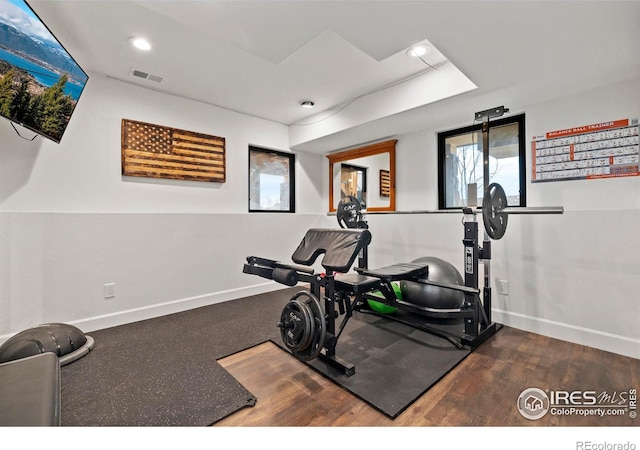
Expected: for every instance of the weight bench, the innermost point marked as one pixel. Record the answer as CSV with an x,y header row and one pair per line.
x,y
307,328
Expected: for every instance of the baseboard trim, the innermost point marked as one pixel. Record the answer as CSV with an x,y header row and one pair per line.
x,y
149,312
614,343
601,340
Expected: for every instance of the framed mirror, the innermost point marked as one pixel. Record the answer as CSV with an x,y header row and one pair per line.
x,y
368,173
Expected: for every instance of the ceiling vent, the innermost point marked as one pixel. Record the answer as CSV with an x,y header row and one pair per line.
x,y
146,76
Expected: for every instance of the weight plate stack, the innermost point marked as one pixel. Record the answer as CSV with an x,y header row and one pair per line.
x,y
493,215
302,326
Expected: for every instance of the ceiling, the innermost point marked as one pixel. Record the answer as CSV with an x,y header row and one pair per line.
x,y
263,58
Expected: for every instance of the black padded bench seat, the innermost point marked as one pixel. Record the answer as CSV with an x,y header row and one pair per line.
x,y
355,283
30,391
397,272
369,279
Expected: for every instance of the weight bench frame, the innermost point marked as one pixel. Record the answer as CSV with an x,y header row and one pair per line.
x,y
476,324
349,292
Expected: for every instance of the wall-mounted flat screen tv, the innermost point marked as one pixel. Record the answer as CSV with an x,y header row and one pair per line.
x,y
40,83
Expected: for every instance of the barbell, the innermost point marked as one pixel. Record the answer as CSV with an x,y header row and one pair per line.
x,y
495,212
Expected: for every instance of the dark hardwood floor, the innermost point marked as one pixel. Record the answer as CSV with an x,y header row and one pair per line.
x,y
481,391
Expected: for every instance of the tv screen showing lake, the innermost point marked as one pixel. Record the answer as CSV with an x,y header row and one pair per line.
x,y
40,82
42,75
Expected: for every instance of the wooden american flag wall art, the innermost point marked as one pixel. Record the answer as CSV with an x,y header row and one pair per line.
x,y
155,151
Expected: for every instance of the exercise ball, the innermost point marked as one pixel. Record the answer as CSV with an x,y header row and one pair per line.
x,y
65,341
434,296
383,308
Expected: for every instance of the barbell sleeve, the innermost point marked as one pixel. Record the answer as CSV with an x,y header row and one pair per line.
x,y
534,210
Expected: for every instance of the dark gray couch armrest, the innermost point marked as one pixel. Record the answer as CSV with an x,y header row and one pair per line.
x,y
30,391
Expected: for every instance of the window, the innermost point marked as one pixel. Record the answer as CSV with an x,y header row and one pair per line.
x,y
271,181
460,162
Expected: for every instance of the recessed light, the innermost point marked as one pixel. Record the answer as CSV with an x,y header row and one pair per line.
x,y
307,104
140,43
417,50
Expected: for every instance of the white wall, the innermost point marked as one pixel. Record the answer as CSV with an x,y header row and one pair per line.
x,y
70,222
83,173
573,276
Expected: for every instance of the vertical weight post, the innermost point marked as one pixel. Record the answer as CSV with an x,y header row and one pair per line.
x,y
485,116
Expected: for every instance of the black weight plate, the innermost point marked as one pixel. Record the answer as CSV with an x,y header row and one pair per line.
x,y
319,330
349,212
297,321
493,215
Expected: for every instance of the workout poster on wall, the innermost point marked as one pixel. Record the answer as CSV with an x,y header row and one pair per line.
x,y
602,150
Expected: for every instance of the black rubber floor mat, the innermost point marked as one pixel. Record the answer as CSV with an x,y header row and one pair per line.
x,y
163,371
394,363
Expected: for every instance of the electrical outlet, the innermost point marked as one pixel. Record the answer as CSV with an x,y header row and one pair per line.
x,y
109,290
503,287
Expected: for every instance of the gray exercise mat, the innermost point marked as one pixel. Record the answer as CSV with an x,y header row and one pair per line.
x,y
163,371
